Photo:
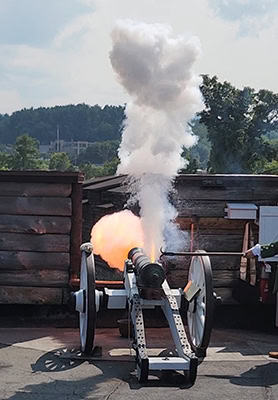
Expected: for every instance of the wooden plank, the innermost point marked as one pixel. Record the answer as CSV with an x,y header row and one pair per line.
x,y
200,208
214,242
266,192
35,206
212,223
23,242
226,179
217,262
229,194
221,278
76,232
38,189
27,295
36,225
41,176
17,260
35,277
239,192
225,263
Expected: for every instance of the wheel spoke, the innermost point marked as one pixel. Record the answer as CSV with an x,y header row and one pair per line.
x,y
200,320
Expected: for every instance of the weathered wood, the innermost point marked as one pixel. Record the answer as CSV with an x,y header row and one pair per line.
x,y
201,208
212,224
211,209
37,189
218,262
35,277
36,225
229,194
216,180
41,176
27,295
202,253
237,194
23,242
76,231
35,206
221,278
17,260
218,243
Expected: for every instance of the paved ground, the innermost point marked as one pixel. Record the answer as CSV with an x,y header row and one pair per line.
x,y
35,364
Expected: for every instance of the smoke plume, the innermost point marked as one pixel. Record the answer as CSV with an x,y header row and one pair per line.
x,y
155,68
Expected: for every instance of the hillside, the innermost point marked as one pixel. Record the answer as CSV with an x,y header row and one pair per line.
x,y
76,122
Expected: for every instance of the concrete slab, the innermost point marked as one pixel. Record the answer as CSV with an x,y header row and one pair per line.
x,y
35,365
225,345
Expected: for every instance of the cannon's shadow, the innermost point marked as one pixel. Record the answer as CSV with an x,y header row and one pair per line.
x,y
60,360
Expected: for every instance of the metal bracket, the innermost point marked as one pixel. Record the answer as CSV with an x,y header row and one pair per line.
x,y
139,330
171,311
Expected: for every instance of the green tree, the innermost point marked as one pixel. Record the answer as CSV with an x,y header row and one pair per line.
x,y
270,168
94,171
99,152
200,151
192,163
110,167
25,154
4,161
236,121
60,162
91,170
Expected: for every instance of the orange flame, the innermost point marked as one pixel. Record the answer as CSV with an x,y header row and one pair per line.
x,y
153,253
114,235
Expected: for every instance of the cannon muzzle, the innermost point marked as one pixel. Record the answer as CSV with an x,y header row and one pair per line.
x,y
148,274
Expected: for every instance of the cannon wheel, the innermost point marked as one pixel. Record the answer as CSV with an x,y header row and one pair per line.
x,y
200,310
87,318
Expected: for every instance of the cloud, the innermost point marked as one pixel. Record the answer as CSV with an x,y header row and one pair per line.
x,y
10,100
252,15
36,22
57,52
38,67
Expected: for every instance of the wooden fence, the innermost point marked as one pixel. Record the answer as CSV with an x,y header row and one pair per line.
x,y
40,235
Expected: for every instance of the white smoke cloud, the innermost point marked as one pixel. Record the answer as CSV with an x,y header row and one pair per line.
x,y
155,68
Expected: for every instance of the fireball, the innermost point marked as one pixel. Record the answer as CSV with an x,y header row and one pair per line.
x,y
114,235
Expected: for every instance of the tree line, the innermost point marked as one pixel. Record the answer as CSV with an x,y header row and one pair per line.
x,y
76,122
237,131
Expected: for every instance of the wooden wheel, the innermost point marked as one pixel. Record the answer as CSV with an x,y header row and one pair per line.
x,y
201,308
87,316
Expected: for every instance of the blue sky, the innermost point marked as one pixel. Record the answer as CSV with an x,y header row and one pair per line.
x,y
57,51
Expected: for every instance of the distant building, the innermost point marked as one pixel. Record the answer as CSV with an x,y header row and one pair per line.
x,y
44,148
72,148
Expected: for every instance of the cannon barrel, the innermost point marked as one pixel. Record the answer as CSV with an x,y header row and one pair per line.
x,y
148,274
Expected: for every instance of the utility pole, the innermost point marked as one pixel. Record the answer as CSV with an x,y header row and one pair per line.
x,y
58,139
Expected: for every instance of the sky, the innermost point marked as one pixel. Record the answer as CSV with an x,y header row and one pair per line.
x,y
56,52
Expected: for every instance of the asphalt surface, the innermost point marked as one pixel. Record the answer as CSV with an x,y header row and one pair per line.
x,y
44,363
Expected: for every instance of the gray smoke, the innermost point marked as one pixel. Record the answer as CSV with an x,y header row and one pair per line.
x,y
155,68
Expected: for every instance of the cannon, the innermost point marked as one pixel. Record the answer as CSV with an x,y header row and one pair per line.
x,y
146,287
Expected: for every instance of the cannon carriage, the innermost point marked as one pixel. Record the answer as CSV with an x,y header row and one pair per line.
x,y
146,287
